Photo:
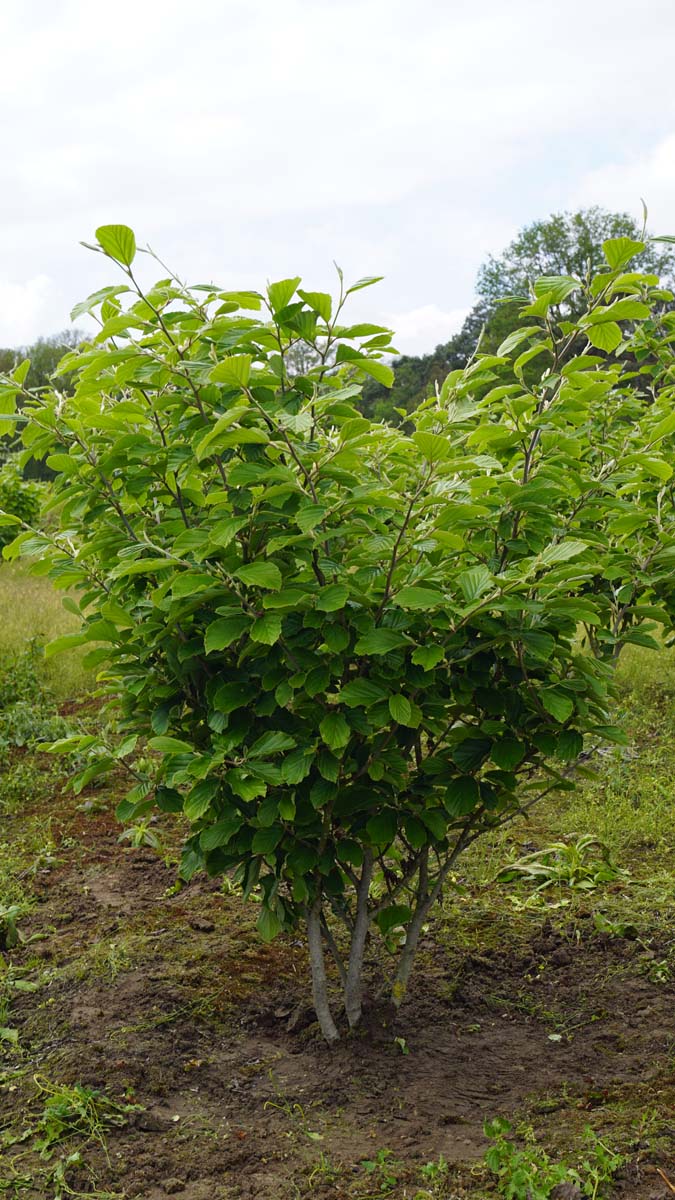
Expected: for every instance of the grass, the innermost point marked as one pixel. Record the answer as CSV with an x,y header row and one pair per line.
x,y
32,609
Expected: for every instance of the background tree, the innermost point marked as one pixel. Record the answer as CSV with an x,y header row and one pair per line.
x,y
44,356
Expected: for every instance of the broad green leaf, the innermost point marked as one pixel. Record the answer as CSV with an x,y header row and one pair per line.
x,y
380,641
332,598
268,925
281,293
222,633
118,241
266,629
234,370
381,829
361,693
265,841
271,743
462,796
417,597
557,703
433,446
604,337
297,765
170,745
392,917
320,302
199,799
474,582
260,574
508,752
619,251
400,709
67,641
335,731
428,657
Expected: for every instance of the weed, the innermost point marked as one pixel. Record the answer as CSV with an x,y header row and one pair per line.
x,y
140,834
75,1111
584,864
292,1110
530,1172
384,1171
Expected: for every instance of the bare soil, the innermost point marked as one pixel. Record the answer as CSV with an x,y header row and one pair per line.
x,y
172,1003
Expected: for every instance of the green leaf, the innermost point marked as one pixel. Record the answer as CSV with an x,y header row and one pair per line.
x,y
221,634
296,766
557,703
350,852
428,657
67,641
559,552
474,582
361,693
320,302
433,446
390,918
333,597
378,371
605,337
266,629
170,745
234,370
418,597
400,710
381,829
271,743
260,574
281,293
199,798
380,641
118,241
619,251
508,752
335,731
265,841
268,925
462,796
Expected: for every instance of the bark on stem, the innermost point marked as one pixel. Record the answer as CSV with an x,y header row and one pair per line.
x,y
353,992
318,968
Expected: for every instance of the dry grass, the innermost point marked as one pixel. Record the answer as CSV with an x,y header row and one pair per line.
x,y
30,608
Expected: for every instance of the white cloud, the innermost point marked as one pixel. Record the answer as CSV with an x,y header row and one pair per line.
x,y
622,185
253,139
22,309
422,329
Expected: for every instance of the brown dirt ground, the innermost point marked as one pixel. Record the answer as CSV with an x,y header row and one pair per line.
x,y
172,1000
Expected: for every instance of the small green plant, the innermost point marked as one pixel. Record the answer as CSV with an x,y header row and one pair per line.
x,y
10,934
434,1177
583,865
75,1111
384,1170
140,834
528,1173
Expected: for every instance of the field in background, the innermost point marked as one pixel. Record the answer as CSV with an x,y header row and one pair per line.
x,y
154,1047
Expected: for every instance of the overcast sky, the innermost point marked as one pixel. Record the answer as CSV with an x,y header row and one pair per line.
x,y
248,140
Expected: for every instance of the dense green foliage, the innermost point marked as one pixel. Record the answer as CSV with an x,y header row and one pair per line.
x,y
19,496
564,244
353,648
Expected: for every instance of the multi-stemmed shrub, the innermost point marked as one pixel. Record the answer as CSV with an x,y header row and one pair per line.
x,y
355,649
